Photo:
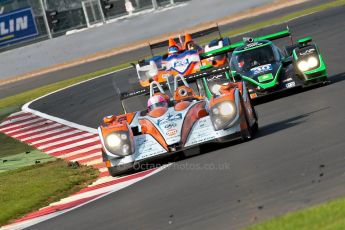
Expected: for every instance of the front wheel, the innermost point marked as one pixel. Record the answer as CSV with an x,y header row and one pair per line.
x,y
246,133
119,170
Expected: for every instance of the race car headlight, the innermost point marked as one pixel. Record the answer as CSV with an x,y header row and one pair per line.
x,y
226,109
313,62
308,64
113,140
223,114
303,66
118,143
215,89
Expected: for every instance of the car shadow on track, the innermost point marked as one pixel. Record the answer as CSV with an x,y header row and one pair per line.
x,y
285,124
337,78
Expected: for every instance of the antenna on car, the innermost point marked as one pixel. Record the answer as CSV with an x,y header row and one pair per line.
x,y
248,40
151,51
288,28
220,34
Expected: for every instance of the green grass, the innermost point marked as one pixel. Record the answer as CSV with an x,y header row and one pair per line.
x,y
328,216
16,101
285,18
18,160
30,188
10,146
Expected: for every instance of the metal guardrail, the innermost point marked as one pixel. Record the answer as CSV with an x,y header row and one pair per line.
x,y
55,17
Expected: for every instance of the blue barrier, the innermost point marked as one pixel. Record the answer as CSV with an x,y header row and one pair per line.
x,y
16,26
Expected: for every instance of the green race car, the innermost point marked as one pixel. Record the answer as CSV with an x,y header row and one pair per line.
x,y
268,69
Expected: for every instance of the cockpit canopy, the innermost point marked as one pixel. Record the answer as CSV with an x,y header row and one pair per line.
x,y
255,54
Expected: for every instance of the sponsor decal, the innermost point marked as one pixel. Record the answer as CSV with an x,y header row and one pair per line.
x,y
182,62
172,132
169,118
16,26
261,69
215,77
307,52
251,45
265,77
170,125
290,84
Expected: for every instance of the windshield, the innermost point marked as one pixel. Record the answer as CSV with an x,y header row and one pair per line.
x,y
244,61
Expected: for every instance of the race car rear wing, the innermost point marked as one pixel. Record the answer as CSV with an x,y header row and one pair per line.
x,y
195,35
189,78
232,47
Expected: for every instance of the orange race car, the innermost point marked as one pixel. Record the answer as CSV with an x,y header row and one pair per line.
x,y
179,117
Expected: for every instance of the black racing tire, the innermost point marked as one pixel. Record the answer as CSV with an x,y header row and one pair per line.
x,y
246,134
255,126
119,170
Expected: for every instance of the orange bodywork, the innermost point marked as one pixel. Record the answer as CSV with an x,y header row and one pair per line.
x,y
182,105
227,95
158,112
189,94
117,126
216,61
148,128
195,113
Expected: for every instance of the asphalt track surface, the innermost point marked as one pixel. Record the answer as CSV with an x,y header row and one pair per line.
x,y
31,83
296,160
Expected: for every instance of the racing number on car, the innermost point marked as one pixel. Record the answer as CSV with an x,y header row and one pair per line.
x,y
261,69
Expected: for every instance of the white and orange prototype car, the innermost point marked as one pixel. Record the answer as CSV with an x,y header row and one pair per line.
x,y
188,120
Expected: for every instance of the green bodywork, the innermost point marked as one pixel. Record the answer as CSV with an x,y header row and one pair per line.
x,y
232,47
268,85
321,69
265,77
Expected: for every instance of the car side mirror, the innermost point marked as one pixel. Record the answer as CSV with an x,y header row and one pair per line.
x,y
287,61
237,77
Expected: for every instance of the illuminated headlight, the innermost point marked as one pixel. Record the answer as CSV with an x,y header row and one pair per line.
x,y
118,143
312,62
216,89
223,114
303,66
113,140
308,64
226,109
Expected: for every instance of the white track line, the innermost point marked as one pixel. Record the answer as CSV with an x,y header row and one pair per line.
x,y
37,130
74,145
84,150
88,156
59,136
26,108
46,133
65,140
6,122
94,162
35,118
44,121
